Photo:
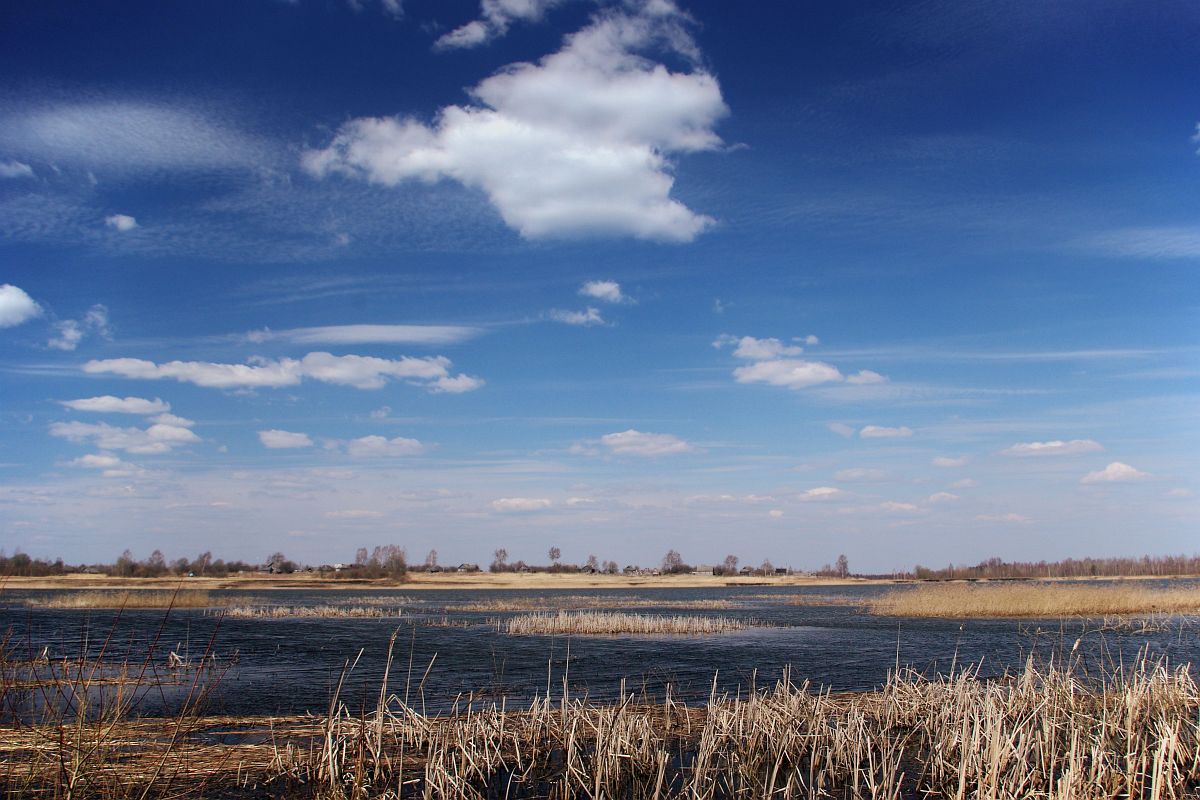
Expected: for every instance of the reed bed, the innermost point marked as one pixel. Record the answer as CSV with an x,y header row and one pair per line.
x,y
961,600
311,612
591,623
1044,732
815,600
584,601
135,598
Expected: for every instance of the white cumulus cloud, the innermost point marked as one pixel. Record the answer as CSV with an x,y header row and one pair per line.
x,y
70,332
942,497
154,440
585,318
510,504
1116,472
383,447
775,363
360,372
108,404
16,306
638,443
607,291
121,222
283,440
883,432
820,493
1056,447
578,144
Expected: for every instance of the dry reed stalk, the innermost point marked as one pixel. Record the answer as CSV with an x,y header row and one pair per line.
x,y
958,600
590,623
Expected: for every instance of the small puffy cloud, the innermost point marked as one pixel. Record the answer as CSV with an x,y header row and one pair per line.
x,y
1116,472
606,291
108,404
16,307
155,440
819,493
284,440
587,317
860,474
1010,517
579,143
95,461
369,334
70,332
519,504
15,169
949,462
353,513
882,432
121,222
811,340
775,513
865,377
494,20
382,447
965,483
172,419
754,349
1056,447
938,498
841,429
789,372
360,372
639,443
383,412
898,508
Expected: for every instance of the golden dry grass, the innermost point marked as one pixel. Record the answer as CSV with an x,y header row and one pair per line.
x,y
961,600
592,623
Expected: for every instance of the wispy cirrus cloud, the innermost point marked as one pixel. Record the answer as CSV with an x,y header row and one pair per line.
x,y
369,334
1054,447
275,439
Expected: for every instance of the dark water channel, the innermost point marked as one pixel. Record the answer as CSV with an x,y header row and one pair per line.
x,y
289,665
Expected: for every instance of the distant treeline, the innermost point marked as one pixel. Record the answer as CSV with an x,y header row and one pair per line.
x,y
997,569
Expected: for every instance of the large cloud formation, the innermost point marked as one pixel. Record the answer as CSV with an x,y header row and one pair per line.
x,y
579,143
361,372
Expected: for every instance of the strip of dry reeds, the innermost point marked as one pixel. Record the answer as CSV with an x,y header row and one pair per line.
x,y
311,612
962,600
582,601
136,598
592,623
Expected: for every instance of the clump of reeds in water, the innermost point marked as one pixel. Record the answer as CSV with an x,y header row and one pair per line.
x,y
135,598
583,601
591,623
311,612
1034,599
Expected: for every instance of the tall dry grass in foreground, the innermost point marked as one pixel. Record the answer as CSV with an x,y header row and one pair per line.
x,y
592,623
1042,733
961,600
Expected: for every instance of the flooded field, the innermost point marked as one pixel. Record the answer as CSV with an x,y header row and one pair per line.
x,y
284,653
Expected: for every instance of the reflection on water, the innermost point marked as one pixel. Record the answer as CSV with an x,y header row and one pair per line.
x,y
292,665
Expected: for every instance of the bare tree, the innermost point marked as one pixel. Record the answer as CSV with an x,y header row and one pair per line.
x,y
729,565
555,554
500,560
842,566
672,561
593,563
767,567
431,559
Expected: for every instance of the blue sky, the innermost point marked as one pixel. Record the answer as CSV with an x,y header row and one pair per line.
x,y
911,282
